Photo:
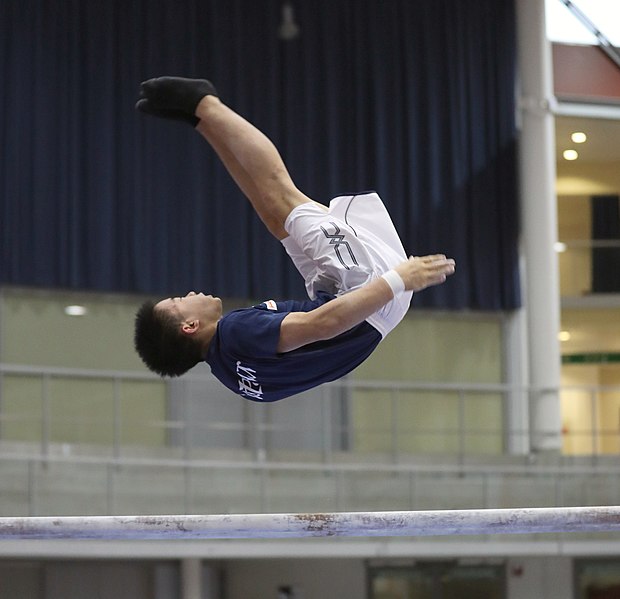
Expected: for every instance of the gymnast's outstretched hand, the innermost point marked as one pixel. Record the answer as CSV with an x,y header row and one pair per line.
x,y
420,272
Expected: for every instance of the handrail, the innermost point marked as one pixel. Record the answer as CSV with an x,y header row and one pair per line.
x,y
346,383
62,371
529,467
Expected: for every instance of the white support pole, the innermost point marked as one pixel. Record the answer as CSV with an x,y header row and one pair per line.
x,y
191,578
351,524
539,224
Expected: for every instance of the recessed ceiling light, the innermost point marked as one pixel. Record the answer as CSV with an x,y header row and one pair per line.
x,y
563,335
570,154
579,137
75,310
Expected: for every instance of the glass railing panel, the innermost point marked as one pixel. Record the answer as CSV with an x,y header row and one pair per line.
x,y
522,490
483,424
148,489
66,488
81,411
16,487
21,416
141,419
107,414
225,490
374,491
447,490
308,491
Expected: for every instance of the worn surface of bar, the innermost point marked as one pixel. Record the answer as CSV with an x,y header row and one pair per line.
x,y
342,524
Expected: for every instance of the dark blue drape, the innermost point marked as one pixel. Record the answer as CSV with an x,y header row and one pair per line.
x,y
413,98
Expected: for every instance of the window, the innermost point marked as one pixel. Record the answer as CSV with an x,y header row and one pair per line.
x,y
438,580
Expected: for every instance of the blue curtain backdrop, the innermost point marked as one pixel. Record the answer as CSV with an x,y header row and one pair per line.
x,y
412,98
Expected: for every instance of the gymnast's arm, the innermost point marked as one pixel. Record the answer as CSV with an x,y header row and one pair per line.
x,y
344,312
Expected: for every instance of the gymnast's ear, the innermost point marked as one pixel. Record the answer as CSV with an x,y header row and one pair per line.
x,y
189,327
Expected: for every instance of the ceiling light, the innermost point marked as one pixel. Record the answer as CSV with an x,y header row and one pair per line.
x,y
570,154
75,310
579,137
289,29
559,247
563,335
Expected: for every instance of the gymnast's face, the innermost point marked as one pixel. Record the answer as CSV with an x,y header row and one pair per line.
x,y
194,310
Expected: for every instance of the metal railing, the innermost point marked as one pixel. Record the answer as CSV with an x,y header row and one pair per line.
x,y
350,463
576,260
394,419
258,429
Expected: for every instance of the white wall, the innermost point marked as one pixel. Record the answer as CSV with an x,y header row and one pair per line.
x,y
540,578
537,577
311,579
527,578
79,580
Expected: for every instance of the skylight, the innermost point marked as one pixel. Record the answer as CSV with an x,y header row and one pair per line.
x,y
563,26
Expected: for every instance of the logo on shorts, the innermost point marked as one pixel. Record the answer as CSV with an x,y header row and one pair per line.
x,y
248,383
337,239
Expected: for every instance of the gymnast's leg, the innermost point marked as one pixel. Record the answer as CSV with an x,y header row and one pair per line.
x,y
249,155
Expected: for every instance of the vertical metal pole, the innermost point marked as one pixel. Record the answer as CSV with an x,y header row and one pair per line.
x,y
574,271
2,414
246,415
338,484
32,509
45,416
253,430
594,428
187,488
263,489
394,395
485,490
186,422
258,427
110,497
267,429
327,433
191,578
2,429
412,486
345,434
515,374
461,426
116,424
1,325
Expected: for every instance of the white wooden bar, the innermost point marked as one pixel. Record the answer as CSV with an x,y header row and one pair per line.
x,y
341,524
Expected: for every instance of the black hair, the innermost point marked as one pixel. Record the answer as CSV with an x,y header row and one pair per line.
x,y
161,344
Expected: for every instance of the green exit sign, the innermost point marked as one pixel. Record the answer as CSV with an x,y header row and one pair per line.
x,y
592,358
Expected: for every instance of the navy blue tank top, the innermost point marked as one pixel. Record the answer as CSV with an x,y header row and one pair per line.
x,y
243,352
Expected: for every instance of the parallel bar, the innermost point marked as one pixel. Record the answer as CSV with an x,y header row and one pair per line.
x,y
345,524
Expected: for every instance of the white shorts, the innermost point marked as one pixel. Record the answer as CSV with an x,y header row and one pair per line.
x,y
345,246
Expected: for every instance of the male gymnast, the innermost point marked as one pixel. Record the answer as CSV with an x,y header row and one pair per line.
x,y
356,272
